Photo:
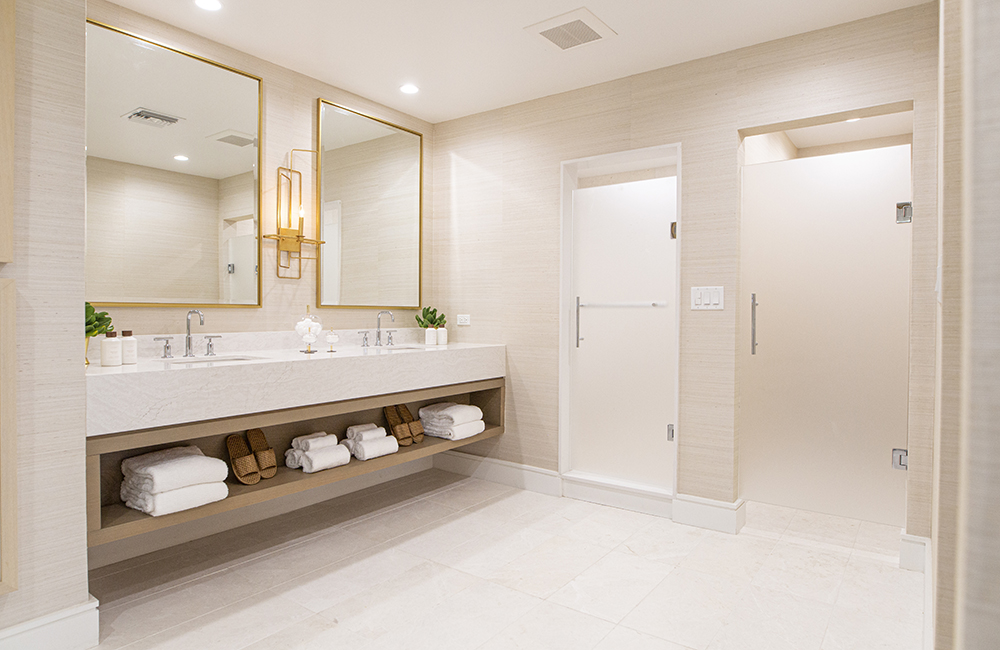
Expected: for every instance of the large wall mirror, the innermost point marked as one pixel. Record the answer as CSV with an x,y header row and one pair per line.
x,y
369,206
173,163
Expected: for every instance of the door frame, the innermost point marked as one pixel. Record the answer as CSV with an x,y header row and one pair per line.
x,y
571,171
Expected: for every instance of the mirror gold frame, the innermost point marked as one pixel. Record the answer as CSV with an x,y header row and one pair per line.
x,y
260,179
319,209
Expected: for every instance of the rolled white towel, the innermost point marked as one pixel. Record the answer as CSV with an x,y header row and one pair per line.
x,y
293,458
457,432
136,463
354,431
297,442
449,414
312,444
325,458
370,434
368,449
348,444
183,498
177,472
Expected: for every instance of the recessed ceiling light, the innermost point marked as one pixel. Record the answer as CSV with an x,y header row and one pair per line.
x,y
853,119
180,158
209,5
409,89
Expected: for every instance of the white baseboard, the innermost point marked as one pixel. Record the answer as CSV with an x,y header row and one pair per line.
x,y
709,513
75,628
913,552
503,472
618,494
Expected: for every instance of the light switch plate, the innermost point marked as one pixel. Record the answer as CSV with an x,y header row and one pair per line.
x,y
464,319
708,298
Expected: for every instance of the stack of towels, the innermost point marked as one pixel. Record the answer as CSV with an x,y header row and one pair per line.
x,y
367,441
452,421
172,480
316,452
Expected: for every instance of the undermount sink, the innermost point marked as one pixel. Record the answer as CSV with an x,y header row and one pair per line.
x,y
216,359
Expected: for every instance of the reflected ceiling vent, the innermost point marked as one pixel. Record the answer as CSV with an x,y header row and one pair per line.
x,y
151,118
234,137
573,29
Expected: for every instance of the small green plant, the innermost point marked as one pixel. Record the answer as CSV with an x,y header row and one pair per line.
x,y
430,318
97,322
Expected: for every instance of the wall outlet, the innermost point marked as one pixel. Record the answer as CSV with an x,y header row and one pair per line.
x,y
464,319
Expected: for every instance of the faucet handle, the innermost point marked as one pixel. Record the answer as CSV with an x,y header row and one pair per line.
x,y
210,351
364,341
166,346
389,340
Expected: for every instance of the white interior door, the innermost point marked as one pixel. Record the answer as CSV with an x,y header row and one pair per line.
x,y
623,370
824,399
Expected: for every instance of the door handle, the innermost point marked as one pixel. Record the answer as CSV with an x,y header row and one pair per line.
x,y
578,339
753,323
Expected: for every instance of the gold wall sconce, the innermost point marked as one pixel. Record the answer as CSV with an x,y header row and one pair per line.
x,y
291,231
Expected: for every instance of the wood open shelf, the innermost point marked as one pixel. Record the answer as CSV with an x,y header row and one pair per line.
x,y
114,522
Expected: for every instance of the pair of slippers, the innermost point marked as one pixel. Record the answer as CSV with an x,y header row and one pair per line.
x,y
403,426
254,462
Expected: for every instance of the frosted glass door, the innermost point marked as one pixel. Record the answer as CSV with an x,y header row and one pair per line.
x,y
824,399
623,373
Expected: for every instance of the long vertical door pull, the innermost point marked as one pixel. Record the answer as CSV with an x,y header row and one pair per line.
x,y
578,339
753,323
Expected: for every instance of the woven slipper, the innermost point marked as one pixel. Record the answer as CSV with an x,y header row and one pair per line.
x,y
244,464
263,453
398,428
416,428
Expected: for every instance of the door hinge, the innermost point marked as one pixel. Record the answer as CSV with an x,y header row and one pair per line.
x,y
904,212
899,459
673,230
670,433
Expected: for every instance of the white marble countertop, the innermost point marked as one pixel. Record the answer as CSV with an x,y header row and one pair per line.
x,y
160,392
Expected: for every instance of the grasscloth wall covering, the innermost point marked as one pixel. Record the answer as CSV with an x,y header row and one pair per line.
x,y
289,122
48,267
496,226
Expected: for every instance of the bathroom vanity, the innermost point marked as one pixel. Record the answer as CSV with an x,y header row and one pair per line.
x,y
201,400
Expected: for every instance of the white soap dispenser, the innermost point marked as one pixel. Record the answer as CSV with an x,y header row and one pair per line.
x,y
130,349
111,350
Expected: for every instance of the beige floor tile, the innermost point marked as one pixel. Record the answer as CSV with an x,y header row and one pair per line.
x,y
883,590
519,503
734,556
879,538
437,540
470,492
857,630
803,570
612,587
769,518
551,627
400,521
688,607
294,561
546,568
313,633
609,527
623,638
568,513
664,541
828,529
486,554
774,620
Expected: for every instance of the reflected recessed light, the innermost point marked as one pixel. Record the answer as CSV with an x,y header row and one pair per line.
x,y
409,89
181,158
853,119
209,5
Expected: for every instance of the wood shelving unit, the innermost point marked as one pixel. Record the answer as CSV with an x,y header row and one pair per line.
x,y
116,521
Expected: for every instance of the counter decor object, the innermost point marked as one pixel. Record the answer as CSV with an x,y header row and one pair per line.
x,y
433,324
111,350
130,349
308,328
331,338
97,323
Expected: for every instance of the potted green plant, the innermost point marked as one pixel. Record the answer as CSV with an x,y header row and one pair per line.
x,y
433,324
98,323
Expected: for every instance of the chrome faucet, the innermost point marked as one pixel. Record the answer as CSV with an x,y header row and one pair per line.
x,y
378,326
188,352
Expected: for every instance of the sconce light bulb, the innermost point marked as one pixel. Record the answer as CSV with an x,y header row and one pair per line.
x,y
853,119
409,89
181,158
209,5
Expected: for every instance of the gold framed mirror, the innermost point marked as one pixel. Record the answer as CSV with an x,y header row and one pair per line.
x,y
173,176
369,211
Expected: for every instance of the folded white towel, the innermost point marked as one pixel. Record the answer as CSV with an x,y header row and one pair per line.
x,y
136,463
293,458
457,432
183,498
449,414
297,442
354,431
369,434
325,458
312,444
177,472
368,449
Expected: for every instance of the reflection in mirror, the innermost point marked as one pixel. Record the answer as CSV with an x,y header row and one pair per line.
x,y
172,176
369,211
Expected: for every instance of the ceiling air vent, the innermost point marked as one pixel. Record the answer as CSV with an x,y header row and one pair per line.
x,y
234,137
571,30
151,118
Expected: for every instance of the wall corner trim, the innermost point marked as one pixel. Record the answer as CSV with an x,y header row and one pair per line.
x,y
722,516
73,628
913,552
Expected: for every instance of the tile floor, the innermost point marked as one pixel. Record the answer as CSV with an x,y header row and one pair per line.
x,y
443,562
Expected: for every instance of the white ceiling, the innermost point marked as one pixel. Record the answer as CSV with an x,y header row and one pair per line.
x,y
471,56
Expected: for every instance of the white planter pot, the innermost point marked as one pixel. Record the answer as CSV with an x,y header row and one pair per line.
x,y
430,336
442,336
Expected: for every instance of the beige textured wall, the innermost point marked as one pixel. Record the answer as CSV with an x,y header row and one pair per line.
x,y
289,122
151,234
495,229
48,267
